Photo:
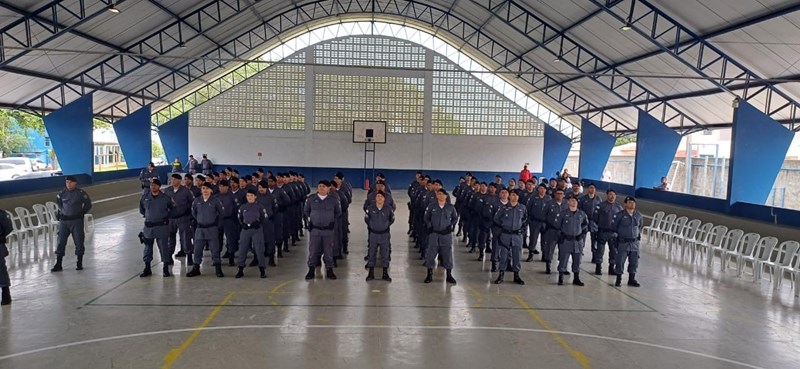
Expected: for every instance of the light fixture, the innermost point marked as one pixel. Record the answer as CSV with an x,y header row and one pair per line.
x,y
113,8
557,59
626,27
629,21
182,45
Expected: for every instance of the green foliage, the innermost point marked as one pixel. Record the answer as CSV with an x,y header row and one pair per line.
x,y
157,150
14,128
100,124
625,139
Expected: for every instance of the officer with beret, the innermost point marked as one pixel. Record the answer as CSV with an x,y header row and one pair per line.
x,y
147,175
230,226
251,216
606,235
208,214
379,217
321,209
440,218
628,226
156,207
73,203
573,225
511,219
179,221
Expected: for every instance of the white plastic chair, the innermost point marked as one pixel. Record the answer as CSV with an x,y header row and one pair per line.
x,y
762,252
43,217
729,244
714,238
793,269
688,235
673,231
781,258
745,247
15,236
664,227
699,237
654,224
787,264
36,228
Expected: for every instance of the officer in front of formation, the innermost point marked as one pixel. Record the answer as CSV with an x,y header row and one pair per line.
x,y
73,203
379,217
511,219
180,219
208,214
146,176
321,209
551,233
156,208
252,216
5,282
439,219
206,165
573,225
589,203
606,235
628,224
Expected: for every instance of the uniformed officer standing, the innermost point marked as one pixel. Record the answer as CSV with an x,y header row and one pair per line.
x,y
479,229
551,233
156,207
589,203
230,225
283,200
206,165
321,209
512,220
494,203
180,218
573,225
208,213
628,226
5,282
388,200
252,216
270,203
345,190
379,217
604,217
147,175
73,203
192,165
440,218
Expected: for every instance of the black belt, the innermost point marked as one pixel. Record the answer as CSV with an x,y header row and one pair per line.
x,y
607,230
442,232
379,232
571,238
213,225
155,224
540,220
328,228
71,217
251,226
230,217
512,232
626,239
185,213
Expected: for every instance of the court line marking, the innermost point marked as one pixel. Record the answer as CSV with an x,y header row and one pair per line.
x,y
111,290
275,290
478,297
174,354
618,289
393,327
508,308
579,356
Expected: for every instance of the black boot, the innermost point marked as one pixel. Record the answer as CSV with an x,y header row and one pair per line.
x,y
566,273
560,279
226,255
310,274
499,279
57,267
329,274
429,277
481,256
530,257
263,272
166,271
518,280
146,272
240,273
488,249
171,261
494,266
180,254
194,272
450,278
6,300
598,269
280,252
371,274
254,262
386,275
218,270
230,260
632,280
272,261
547,268
472,249
286,246
535,252
189,260
611,269
618,283
577,280
79,266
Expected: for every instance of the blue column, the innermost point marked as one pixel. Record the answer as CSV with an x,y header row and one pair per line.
x,y
133,134
596,146
70,132
556,150
758,149
656,145
175,138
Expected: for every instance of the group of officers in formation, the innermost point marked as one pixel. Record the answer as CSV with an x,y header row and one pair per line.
x,y
262,213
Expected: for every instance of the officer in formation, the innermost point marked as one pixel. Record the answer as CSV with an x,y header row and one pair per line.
x,y
191,165
345,190
208,214
180,219
156,208
511,219
479,220
551,233
627,224
589,203
380,186
147,175
5,282
252,216
527,189
379,217
412,188
270,203
537,213
73,203
206,165
338,228
230,224
458,192
606,235
321,209
573,225
440,218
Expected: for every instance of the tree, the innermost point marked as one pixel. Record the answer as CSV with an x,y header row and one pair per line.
x,y
14,128
625,140
158,150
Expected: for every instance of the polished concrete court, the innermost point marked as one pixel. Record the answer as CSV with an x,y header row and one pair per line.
x,y
106,316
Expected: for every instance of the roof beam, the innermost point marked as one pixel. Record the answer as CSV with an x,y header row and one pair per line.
x,y
175,16
718,32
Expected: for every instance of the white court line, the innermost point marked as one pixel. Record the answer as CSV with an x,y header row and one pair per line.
x,y
397,327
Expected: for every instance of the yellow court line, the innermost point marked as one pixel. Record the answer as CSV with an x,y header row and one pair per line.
x,y
275,290
174,354
579,356
477,295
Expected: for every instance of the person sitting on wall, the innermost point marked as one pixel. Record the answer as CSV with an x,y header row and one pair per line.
x,y
664,186
524,174
176,165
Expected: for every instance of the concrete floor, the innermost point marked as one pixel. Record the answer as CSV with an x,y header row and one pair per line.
x,y
106,316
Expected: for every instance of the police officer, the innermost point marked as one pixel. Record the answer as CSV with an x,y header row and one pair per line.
x,y
270,203
551,233
606,235
440,218
589,203
512,219
575,193
147,175
283,200
628,226
573,225
208,214
345,190
230,225
252,216
493,203
321,209
191,166
379,217
156,208
180,219
73,203
5,282
387,197
479,227
206,165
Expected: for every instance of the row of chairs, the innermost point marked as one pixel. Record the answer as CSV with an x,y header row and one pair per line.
x,y
42,223
708,241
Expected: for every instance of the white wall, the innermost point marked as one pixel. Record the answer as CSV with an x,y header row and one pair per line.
x,y
337,150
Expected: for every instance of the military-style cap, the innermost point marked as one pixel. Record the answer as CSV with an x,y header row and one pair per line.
x,y
189,176
630,198
71,179
207,184
252,191
340,175
263,183
610,190
437,181
155,181
325,183
200,177
225,183
176,176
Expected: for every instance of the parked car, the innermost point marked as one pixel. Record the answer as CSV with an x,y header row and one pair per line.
x,y
42,174
38,164
9,171
25,165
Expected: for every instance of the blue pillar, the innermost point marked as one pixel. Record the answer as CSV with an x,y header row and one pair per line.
x,y
70,132
758,149
556,150
596,146
656,145
175,138
133,134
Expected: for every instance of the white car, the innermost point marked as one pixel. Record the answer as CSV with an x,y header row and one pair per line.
x,y
38,164
23,165
9,171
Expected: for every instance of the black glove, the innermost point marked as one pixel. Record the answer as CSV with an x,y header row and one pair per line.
x,y
58,215
193,223
449,229
141,237
310,226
